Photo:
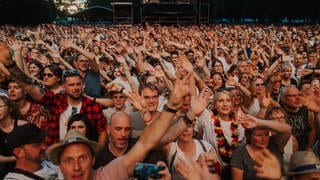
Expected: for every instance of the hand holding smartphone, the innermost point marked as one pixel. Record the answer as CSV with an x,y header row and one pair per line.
x,y
143,171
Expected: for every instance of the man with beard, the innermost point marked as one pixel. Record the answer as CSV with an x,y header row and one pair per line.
x,y
27,145
119,130
90,75
88,68
61,105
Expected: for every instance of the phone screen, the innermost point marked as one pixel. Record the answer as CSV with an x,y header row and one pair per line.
x,y
145,171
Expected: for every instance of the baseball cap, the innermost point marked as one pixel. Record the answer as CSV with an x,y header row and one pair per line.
x,y
25,134
72,137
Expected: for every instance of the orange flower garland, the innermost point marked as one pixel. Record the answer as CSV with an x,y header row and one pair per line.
x,y
226,150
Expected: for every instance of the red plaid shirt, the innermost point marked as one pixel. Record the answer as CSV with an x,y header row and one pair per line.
x,y
57,103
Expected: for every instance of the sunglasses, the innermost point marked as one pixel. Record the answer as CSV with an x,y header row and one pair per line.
x,y
260,84
70,72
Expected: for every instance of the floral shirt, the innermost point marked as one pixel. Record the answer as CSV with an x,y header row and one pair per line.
x,y
37,115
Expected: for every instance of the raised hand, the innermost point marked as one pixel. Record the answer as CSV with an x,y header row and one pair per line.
x,y
165,172
5,55
112,86
310,99
267,165
15,45
189,169
199,103
136,100
230,80
247,121
66,43
180,89
192,170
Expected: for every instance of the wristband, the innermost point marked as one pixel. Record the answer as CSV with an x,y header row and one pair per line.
x,y
94,99
11,65
168,109
188,121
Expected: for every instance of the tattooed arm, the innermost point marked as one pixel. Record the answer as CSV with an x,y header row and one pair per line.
x,y
24,80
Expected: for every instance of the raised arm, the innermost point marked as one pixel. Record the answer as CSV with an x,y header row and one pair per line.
x,y
153,133
252,122
93,64
18,74
197,105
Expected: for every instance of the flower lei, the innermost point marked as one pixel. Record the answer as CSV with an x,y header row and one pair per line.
x,y
226,150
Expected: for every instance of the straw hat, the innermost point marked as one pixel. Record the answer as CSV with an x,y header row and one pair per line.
x,y
72,137
303,162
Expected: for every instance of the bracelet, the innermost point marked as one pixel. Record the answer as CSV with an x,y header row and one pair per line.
x,y
188,121
94,99
11,65
168,109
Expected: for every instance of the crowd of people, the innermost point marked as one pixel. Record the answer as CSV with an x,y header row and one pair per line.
x,y
200,102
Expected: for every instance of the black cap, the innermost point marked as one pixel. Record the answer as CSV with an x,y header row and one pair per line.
x,y
25,134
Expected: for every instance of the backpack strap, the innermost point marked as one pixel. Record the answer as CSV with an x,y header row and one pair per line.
x,y
172,160
202,145
28,174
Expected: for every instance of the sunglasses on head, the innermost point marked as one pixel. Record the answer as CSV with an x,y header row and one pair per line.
x,y
70,72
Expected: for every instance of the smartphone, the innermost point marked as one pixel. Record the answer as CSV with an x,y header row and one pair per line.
x,y
144,171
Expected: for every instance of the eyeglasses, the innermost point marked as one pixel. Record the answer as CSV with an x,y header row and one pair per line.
x,y
48,75
260,84
70,72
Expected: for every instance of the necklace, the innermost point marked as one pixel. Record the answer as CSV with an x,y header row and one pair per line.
x,y
225,149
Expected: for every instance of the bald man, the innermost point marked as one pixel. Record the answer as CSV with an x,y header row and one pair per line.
x,y
120,142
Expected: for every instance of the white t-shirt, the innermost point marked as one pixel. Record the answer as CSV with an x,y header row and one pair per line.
x,y
125,84
174,148
64,118
206,124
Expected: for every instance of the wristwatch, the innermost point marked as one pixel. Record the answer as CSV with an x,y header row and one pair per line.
x,y
168,109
